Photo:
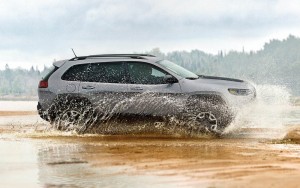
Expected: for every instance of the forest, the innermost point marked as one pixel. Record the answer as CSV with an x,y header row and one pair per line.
x,y
278,63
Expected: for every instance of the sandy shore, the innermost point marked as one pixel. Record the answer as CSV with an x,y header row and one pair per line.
x,y
55,159
17,113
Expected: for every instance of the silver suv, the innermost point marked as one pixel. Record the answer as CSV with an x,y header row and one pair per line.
x,y
84,90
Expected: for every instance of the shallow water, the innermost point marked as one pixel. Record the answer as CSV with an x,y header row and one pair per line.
x,y
41,157
18,105
55,159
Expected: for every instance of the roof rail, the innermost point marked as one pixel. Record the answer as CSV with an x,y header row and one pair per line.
x,y
135,56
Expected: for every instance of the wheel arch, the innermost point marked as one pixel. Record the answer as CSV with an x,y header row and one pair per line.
x,y
214,97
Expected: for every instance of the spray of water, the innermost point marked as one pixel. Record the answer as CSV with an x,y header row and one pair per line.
x,y
267,116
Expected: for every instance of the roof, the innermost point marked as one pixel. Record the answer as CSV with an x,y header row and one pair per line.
x,y
59,63
134,56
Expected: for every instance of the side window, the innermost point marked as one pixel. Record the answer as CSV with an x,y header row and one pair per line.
x,y
76,73
143,73
106,72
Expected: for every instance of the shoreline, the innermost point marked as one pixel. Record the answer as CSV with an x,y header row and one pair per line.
x,y
18,113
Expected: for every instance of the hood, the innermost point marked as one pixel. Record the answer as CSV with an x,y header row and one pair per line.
x,y
212,83
219,78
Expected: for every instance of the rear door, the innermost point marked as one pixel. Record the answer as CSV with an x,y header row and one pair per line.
x,y
149,93
70,80
105,86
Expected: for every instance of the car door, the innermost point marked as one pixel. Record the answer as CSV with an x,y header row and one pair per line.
x,y
149,93
105,86
71,78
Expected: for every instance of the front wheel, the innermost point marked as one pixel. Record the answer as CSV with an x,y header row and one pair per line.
x,y
208,117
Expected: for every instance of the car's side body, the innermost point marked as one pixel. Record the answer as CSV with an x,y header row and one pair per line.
x,y
126,96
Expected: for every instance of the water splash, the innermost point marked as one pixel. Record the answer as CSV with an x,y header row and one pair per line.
x,y
270,111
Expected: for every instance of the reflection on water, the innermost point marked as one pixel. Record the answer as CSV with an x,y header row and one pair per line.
x,y
70,164
129,161
18,163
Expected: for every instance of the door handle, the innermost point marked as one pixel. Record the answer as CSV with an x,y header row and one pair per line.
x,y
88,87
137,88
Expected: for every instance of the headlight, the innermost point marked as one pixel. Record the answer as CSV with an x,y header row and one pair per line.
x,y
242,92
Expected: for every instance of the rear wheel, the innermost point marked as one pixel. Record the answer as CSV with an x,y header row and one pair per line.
x,y
72,115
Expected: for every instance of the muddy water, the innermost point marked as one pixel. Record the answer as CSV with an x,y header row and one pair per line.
x,y
52,159
32,155
260,149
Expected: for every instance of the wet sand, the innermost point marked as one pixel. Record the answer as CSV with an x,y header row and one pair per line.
x,y
17,113
34,156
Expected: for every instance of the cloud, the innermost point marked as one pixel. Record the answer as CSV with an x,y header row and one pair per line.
x,y
50,27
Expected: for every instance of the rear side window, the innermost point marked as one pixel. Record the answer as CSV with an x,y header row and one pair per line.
x,y
106,72
76,73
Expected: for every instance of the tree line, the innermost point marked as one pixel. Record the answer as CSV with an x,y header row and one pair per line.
x,y
278,62
20,82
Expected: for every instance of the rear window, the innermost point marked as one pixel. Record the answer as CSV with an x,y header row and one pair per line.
x,y
50,73
96,72
76,73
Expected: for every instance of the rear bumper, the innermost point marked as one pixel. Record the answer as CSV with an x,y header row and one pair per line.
x,y
43,114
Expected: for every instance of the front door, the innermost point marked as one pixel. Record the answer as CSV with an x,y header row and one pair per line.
x,y
149,93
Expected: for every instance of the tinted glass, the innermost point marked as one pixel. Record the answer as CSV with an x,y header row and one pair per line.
x,y
143,73
106,73
50,73
76,73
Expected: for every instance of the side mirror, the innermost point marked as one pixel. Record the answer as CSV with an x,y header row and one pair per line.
x,y
170,79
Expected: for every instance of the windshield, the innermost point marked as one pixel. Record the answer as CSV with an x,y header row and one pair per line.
x,y
178,69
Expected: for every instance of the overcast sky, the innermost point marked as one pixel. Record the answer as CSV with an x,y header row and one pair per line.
x,y
35,32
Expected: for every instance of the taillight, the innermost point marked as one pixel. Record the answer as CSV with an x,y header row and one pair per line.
x,y
43,84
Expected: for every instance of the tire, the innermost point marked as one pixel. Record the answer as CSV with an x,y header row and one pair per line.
x,y
71,114
208,115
